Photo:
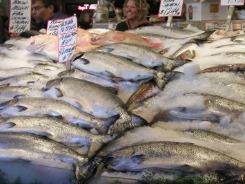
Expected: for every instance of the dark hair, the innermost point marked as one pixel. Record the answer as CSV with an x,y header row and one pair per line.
x,y
48,3
142,7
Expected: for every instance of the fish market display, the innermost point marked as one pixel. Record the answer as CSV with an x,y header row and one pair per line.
x,y
56,129
143,105
105,65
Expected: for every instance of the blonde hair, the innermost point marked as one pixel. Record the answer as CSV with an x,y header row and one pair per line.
x,y
142,7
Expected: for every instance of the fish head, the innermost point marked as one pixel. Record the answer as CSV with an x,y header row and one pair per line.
x,y
53,82
10,108
44,44
52,88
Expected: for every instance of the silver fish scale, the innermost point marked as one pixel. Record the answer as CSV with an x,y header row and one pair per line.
x,y
43,106
218,105
94,98
25,79
187,152
56,129
36,144
211,136
108,64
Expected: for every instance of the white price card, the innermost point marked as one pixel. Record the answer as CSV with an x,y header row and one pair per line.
x,y
20,16
67,34
232,2
170,8
53,26
215,25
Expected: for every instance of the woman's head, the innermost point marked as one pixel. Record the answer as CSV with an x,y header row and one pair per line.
x,y
135,9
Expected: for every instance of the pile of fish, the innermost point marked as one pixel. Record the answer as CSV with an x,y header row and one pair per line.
x,y
159,99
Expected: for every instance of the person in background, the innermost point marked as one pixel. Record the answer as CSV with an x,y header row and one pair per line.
x,y
2,32
118,4
44,10
4,23
154,7
4,17
85,20
135,12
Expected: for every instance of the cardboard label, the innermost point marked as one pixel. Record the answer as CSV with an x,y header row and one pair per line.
x,y
170,8
20,16
232,2
67,34
53,26
219,25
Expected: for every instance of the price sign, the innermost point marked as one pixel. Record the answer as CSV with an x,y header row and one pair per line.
x,y
232,2
170,8
215,25
67,34
20,16
53,26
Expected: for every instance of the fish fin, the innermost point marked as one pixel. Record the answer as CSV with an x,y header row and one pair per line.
x,y
77,56
138,159
84,61
108,74
7,125
31,82
58,93
19,160
113,90
53,114
18,96
108,49
75,104
43,134
21,108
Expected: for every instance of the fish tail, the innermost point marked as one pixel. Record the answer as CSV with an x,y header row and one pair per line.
x,y
159,80
119,126
87,170
107,123
138,120
97,144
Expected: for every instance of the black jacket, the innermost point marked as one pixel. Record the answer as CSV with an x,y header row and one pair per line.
x,y
2,31
122,26
37,27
